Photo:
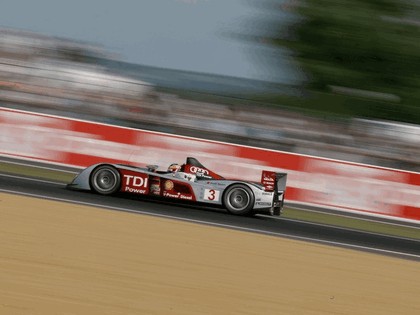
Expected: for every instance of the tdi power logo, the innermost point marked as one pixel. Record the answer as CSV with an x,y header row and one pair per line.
x,y
135,183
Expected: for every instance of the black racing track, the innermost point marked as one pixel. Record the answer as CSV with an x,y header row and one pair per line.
x,y
404,248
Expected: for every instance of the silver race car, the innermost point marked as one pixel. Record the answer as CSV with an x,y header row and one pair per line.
x,y
190,181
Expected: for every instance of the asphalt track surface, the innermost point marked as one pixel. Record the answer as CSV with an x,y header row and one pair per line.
x,y
274,226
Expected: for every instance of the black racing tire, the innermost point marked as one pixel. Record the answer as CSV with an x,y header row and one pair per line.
x,y
105,180
239,199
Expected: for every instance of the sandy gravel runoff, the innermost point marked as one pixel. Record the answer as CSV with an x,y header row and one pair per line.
x,y
58,258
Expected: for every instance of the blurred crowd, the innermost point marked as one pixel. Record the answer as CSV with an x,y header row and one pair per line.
x,y
62,77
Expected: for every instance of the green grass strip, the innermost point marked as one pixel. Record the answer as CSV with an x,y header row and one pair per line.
x,y
353,223
32,171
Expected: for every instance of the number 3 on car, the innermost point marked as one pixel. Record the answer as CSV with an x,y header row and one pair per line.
x,y
211,194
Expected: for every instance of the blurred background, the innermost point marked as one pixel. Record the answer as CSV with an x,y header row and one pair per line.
x,y
331,78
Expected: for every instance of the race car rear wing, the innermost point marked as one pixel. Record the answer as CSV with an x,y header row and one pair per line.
x,y
275,182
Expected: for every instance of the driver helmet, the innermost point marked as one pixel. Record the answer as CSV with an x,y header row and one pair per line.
x,y
174,167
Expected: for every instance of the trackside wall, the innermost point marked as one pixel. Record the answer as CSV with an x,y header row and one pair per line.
x,y
311,180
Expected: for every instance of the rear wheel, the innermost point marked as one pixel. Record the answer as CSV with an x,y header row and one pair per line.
x,y
105,180
239,199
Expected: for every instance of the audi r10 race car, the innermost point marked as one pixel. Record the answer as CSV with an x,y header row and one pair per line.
x,y
191,181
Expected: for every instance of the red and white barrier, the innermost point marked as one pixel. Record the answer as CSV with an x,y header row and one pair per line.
x,y
311,180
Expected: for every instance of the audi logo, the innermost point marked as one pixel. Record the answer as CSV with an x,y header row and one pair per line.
x,y
199,170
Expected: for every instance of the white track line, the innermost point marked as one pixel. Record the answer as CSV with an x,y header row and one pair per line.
x,y
33,179
301,238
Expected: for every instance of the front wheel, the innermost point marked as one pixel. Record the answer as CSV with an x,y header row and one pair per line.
x,y
239,199
105,180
